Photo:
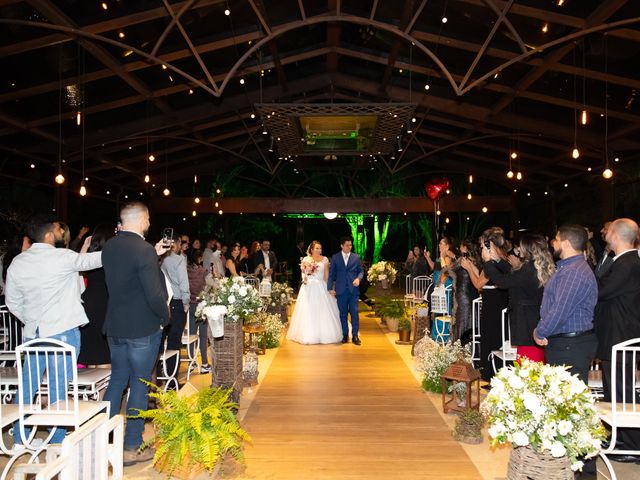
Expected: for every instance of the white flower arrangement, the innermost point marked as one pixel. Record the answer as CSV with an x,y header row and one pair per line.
x,y
433,358
382,271
546,408
240,300
280,294
273,327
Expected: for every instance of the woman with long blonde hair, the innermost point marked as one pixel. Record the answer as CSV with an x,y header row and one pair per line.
x,y
525,283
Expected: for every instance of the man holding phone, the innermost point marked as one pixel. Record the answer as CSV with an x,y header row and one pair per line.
x,y
136,313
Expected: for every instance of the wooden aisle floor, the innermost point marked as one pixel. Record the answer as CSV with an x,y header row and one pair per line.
x,y
348,412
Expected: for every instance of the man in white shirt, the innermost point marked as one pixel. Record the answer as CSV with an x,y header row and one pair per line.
x,y
266,258
43,292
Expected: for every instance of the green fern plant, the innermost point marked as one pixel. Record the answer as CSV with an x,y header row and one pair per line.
x,y
201,428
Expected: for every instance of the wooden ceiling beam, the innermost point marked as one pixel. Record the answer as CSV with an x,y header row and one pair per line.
x,y
406,19
100,27
334,31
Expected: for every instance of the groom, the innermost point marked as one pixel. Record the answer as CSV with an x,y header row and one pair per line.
x,y
346,273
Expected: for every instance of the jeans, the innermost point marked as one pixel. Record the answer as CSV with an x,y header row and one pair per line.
x,y
32,378
132,359
202,333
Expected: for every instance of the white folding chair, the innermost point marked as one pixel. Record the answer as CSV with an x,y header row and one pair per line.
x,y
595,379
253,281
48,359
91,381
8,415
476,310
169,377
419,288
85,453
506,353
624,409
10,336
8,383
192,343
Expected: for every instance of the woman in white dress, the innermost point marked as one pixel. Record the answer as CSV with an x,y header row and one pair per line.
x,y
315,316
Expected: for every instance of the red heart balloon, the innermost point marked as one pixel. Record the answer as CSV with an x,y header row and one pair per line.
x,y
436,188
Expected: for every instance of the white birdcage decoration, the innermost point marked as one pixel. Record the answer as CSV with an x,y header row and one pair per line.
x,y
440,299
250,368
265,288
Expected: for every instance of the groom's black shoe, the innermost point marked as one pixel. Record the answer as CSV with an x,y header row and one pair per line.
x,y
345,339
356,340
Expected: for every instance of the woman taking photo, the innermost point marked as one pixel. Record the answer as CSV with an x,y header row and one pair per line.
x,y
525,283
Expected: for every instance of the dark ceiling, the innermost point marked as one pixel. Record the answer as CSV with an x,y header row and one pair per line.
x,y
503,76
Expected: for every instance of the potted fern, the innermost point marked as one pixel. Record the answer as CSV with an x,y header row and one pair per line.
x,y
404,330
193,432
393,312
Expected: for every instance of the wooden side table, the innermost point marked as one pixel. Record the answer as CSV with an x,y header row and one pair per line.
x,y
254,329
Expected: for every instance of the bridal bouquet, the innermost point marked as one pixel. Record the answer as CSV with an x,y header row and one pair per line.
x,y
240,300
545,408
308,266
382,271
280,295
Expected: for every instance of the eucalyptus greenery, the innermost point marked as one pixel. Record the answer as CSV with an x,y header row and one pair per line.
x,y
201,428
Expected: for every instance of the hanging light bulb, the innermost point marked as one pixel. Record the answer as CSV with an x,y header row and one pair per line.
x,y
584,118
83,190
216,205
510,174
220,212
196,200
79,118
448,191
608,173
469,197
438,212
485,209
242,81
59,179
195,179
193,214
519,175
575,153
227,12
514,155
470,178
218,191
152,158
166,192
147,179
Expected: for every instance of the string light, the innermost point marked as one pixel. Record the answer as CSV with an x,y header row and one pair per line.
x,y
227,12
79,118
196,200
575,153
195,179
469,197
514,155
219,212
608,173
438,212
510,174
121,34
83,190
470,178
242,81
545,28
427,87
584,118
218,191
519,176
59,179
166,192
147,179
152,157
485,209
105,6
193,214
253,115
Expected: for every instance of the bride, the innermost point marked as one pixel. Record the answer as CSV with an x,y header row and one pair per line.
x,y
315,316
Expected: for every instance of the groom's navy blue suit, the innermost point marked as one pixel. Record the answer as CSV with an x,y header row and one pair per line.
x,y
346,293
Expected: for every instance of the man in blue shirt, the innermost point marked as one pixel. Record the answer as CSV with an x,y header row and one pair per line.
x,y
566,313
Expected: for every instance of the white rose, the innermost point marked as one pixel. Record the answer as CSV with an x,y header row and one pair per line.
x,y
231,299
520,438
243,291
558,450
516,382
532,402
577,466
564,427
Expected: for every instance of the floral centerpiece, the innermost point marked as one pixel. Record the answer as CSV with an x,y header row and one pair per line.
x,y
280,295
382,272
273,326
433,358
241,300
545,408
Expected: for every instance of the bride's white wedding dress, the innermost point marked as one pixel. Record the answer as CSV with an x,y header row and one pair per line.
x,y
315,316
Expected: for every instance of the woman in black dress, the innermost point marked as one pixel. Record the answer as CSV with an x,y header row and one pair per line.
x,y
94,349
494,300
464,292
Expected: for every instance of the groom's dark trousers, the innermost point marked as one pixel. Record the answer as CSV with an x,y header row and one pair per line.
x,y
348,304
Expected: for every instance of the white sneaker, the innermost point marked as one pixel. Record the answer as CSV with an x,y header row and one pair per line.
x,y
205,368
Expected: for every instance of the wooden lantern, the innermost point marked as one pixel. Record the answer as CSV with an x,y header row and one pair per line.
x,y
460,371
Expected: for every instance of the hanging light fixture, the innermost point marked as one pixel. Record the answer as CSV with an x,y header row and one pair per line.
x,y
83,190
607,173
166,192
575,153
519,175
147,179
583,117
510,173
196,200
60,179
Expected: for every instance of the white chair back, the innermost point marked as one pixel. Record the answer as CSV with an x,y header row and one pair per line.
x,y
476,310
192,342
10,336
408,286
51,359
507,348
420,286
253,281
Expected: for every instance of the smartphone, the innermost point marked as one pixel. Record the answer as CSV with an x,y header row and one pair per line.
x,y
465,255
167,237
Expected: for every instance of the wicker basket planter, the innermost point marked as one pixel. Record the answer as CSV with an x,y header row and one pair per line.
x,y
227,359
527,464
